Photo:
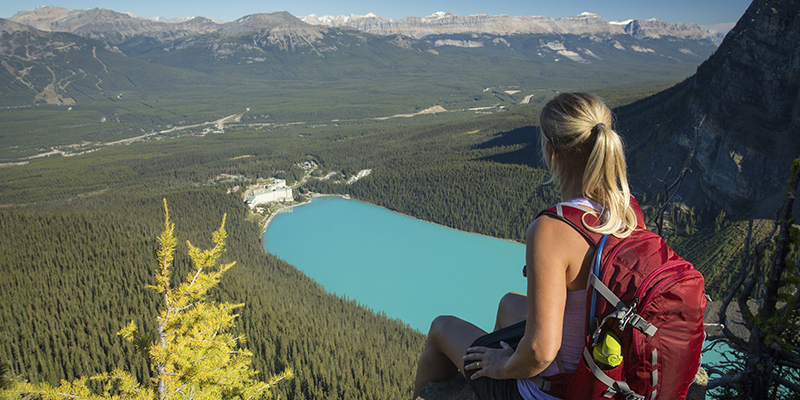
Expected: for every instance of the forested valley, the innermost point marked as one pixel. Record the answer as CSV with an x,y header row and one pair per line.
x,y
78,240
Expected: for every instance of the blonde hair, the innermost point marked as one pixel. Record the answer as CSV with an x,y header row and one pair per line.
x,y
585,147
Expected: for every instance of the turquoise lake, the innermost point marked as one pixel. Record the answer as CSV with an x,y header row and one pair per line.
x,y
409,269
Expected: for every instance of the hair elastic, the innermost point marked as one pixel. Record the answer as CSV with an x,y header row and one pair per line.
x,y
598,126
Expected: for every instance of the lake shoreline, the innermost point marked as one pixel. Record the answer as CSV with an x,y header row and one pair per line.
x,y
272,215
344,196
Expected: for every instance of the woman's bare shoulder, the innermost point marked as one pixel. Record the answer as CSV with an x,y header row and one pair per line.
x,y
555,236
550,225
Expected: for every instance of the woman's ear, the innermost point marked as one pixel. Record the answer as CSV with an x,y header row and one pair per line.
x,y
548,154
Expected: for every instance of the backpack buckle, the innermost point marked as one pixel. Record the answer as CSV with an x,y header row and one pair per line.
x,y
629,314
635,320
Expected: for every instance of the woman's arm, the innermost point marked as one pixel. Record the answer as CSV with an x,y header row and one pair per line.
x,y
555,254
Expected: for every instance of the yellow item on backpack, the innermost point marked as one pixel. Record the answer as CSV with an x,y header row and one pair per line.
x,y
608,352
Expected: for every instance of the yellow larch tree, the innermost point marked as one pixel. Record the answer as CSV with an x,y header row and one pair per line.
x,y
195,356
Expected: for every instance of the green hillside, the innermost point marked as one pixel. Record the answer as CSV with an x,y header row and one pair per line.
x,y
73,278
60,89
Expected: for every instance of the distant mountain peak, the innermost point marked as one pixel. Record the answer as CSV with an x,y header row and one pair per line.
x,y
173,20
276,26
109,25
261,21
439,15
132,15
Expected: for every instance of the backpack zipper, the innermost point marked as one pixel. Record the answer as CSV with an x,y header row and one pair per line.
x,y
673,278
640,291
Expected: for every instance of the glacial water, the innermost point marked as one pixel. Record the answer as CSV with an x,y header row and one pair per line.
x,y
409,269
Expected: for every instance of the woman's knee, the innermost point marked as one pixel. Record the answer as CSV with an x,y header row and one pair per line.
x,y
512,309
513,303
440,326
452,336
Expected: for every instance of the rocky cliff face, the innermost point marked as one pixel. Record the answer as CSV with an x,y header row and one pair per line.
x,y
446,23
656,28
746,102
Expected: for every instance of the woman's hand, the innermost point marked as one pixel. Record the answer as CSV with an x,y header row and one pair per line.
x,y
489,362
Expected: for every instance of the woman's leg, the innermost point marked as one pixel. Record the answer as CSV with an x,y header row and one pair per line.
x,y
447,343
513,308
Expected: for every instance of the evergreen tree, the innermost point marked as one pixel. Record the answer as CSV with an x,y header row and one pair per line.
x,y
194,357
5,377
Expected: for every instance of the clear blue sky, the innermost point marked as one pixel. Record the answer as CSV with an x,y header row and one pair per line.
x,y
702,12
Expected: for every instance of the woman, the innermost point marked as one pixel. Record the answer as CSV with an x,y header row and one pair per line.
x,y
586,156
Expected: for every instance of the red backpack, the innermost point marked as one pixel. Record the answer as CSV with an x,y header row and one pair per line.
x,y
652,299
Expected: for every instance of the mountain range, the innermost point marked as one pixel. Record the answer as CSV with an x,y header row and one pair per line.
x,y
121,69
446,23
262,38
259,38
108,25
115,27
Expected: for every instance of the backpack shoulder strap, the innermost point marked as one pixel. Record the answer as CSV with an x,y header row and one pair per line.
x,y
575,217
579,218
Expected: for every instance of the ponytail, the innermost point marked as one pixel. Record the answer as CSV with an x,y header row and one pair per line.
x,y
587,152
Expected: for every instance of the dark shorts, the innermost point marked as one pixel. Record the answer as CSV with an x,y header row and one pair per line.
x,y
493,389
